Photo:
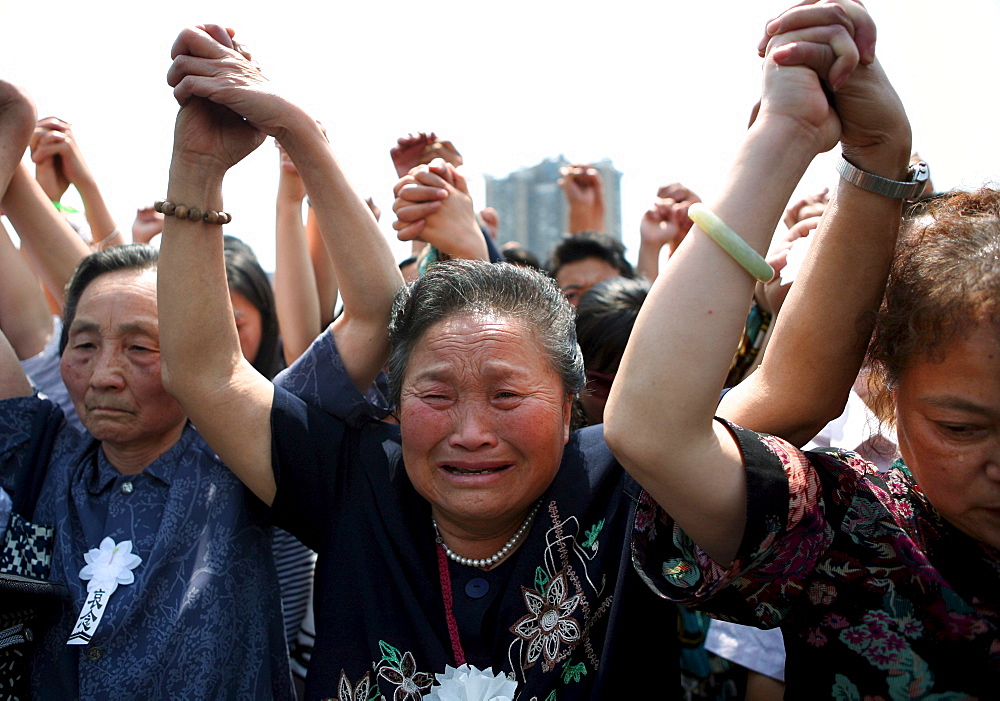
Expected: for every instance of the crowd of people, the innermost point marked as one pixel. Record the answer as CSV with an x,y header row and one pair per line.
x,y
763,462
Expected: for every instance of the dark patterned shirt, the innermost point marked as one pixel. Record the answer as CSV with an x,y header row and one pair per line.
x,y
877,596
202,618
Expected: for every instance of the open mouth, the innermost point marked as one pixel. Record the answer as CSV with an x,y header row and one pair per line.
x,y
463,471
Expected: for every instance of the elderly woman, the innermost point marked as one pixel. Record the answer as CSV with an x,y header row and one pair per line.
x,y
885,586
481,529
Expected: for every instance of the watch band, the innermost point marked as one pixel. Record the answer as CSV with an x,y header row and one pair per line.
x,y
897,189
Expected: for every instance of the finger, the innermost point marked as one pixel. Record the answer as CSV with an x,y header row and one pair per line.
x,y
409,212
762,44
849,14
194,41
53,124
421,193
459,182
436,174
411,231
401,183
221,34
191,66
828,50
47,151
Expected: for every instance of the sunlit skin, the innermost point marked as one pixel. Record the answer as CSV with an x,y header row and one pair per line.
x,y
481,394
576,278
111,368
249,325
948,424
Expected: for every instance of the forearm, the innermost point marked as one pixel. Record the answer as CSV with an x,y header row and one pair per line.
x,y
53,246
648,265
802,384
365,269
296,295
327,286
13,382
197,332
586,218
99,218
24,313
659,416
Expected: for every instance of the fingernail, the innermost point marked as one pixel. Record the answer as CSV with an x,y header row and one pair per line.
x,y
772,27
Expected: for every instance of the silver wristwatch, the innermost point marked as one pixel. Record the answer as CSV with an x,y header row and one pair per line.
x,y
897,189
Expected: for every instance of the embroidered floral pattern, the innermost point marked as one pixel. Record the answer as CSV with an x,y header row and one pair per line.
x,y
879,596
549,623
410,684
346,692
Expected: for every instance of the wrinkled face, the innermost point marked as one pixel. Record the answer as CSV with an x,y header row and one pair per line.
x,y
948,422
576,278
111,365
249,325
484,420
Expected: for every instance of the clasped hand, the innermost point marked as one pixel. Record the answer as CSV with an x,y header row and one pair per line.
x,y
227,105
830,44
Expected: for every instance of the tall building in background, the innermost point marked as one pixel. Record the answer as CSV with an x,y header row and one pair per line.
x,y
533,209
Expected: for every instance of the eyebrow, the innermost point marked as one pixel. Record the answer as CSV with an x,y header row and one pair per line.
x,y
132,327
958,404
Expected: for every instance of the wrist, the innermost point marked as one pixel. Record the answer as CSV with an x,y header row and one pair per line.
x,y
890,160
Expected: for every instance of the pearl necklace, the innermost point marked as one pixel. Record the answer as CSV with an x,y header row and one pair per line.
x,y
487,561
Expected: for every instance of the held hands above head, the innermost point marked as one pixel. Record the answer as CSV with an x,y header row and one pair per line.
x,y
836,40
697,308
57,157
239,108
421,148
433,204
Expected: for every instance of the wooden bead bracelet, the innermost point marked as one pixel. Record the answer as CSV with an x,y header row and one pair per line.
x,y
192,213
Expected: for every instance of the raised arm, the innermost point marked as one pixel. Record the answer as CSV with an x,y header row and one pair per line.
x,y
59,163
296,295
584,191
228,108
666,223
17,117
433,204
802,385
659,416
51,244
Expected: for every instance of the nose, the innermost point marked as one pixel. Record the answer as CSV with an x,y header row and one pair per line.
x,y
473,427
108,369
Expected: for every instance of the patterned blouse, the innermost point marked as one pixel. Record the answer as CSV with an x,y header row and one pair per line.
x,y
877,596
202,618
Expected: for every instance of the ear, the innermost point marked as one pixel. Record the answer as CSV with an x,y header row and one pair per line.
x,y
567,417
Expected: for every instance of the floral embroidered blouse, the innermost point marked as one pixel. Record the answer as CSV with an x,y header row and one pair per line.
x,y
877,596
566,616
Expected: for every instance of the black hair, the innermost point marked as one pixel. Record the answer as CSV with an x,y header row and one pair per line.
x,y
604,321
244,275
134,256
589,244
518,255
473,286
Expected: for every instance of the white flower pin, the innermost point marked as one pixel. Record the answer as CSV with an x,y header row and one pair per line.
x,y
468,683
107,566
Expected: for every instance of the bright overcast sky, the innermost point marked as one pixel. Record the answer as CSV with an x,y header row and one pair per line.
x,y
663,89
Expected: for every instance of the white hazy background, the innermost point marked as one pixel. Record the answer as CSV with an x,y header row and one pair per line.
x,y
663,89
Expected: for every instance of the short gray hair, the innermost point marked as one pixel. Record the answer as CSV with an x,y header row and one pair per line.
x,y
476,287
